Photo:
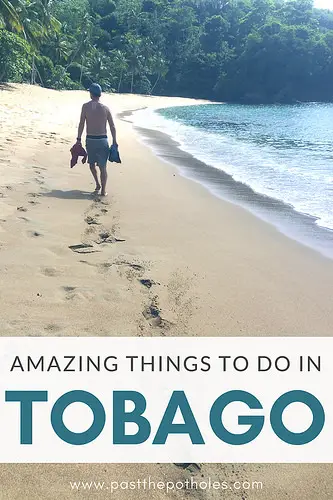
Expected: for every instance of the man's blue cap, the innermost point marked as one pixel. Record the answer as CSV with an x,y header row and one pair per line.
x,y
95,90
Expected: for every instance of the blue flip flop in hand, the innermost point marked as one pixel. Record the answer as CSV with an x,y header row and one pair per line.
x,y
114,154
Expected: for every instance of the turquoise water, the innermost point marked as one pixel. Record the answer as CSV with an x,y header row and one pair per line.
x,y
285,152
281,152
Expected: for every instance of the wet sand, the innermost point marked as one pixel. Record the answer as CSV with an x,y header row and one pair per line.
x,y
72,265
298,226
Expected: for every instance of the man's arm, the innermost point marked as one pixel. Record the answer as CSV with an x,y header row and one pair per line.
x,y
82,123
112,127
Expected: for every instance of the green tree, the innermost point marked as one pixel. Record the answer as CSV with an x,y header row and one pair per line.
x,y
15,57
9,15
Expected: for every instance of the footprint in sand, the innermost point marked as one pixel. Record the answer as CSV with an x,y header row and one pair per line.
x,y
89,231
194,468
74,293
96,209
88,263
83,248
104,210
34,234
92,220
101,201
38,170
131,270
148,283
22,209
50,272
109,236
52,328
105,266
69,291
152,314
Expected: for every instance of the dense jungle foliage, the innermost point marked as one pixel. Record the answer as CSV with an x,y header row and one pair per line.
x,y
228,50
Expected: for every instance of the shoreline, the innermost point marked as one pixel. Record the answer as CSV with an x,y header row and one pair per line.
x,y
298,226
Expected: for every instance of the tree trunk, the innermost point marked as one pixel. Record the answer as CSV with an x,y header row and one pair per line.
x,y
132,82
120,80
33,71
40,78
81,71
156,82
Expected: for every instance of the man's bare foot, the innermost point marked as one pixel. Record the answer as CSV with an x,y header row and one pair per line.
x,y
97,188
104,194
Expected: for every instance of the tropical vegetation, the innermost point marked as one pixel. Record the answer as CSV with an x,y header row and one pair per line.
x,y
233,50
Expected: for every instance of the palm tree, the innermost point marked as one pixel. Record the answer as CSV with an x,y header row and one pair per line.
x,y
37,20
83,44
32,20
9,14
30,17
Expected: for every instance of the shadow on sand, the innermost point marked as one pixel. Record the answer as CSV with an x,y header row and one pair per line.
x,y
6,86
74,194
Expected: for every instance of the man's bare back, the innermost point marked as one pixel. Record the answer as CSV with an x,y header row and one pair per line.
x,y
96,115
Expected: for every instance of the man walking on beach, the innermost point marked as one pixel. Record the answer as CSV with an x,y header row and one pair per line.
x,y
96,115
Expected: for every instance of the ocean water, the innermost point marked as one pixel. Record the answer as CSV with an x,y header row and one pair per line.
x,y
280,151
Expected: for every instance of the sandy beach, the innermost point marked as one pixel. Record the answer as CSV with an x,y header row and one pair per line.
x,y
76,265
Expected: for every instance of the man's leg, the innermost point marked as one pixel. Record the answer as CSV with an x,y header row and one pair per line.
x,y
95,176
104,178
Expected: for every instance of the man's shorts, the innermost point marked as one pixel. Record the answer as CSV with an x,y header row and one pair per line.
x,y
98,150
